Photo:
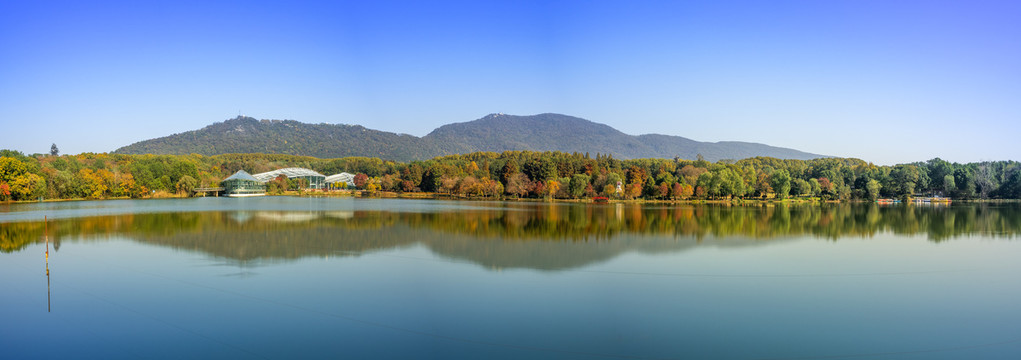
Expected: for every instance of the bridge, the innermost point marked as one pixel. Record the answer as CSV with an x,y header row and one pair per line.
x,y
215,190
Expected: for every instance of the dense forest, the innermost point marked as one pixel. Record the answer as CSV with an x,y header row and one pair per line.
x,y
517,174
496,133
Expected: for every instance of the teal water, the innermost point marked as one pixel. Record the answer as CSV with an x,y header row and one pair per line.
x,y
282,278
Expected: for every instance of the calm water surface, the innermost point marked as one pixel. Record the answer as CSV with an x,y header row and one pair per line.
x,y
282,278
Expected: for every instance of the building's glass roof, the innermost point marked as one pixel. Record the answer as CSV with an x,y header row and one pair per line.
x,y
288,172
241,175
342,177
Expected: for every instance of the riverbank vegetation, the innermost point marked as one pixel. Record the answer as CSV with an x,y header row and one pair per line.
x,y
515,174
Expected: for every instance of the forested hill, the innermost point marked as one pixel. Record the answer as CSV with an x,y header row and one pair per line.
x,y
555,132
248,135
496,132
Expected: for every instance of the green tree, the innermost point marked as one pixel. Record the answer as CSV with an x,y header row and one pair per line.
x,y
843,192
948,184
62,185
938,169
1011,187
965,181
578,184
780,180
649,189
872,188
540,169
613,179
906,177
815,186
186,184
800,187
733,184
165,183
665,177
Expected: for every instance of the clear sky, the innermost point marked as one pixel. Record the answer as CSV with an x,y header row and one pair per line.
x,y
885,81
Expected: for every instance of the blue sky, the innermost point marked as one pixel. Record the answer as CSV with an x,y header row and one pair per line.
x,y
885,81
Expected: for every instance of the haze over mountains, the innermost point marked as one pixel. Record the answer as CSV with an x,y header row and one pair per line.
x,y
494,132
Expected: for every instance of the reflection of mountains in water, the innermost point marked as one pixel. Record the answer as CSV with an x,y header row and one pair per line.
x,y
319,238
538,236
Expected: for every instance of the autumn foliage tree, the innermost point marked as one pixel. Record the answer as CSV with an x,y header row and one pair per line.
x,y
825,186
517,185
360,180
11,168
5,192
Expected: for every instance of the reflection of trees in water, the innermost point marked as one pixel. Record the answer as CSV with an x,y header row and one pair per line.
x,y
831,221
533,235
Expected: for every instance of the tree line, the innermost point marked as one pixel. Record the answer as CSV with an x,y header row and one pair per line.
x,y
517,174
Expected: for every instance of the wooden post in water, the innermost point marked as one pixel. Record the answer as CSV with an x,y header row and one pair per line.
x,y
46,237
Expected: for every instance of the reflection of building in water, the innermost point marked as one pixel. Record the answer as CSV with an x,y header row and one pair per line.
x,y
340,214
286,216
241,216
289,216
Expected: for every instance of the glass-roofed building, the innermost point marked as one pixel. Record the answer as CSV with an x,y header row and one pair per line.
x,y
335,180
243,184
314,179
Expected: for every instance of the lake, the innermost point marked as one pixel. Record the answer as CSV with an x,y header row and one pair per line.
x,y
288,277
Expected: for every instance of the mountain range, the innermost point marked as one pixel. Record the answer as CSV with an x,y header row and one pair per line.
x,y
494,132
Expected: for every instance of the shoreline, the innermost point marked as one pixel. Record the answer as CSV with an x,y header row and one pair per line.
x,y
439,196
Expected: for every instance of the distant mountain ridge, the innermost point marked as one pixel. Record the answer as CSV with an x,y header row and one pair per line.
x,y
494,132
